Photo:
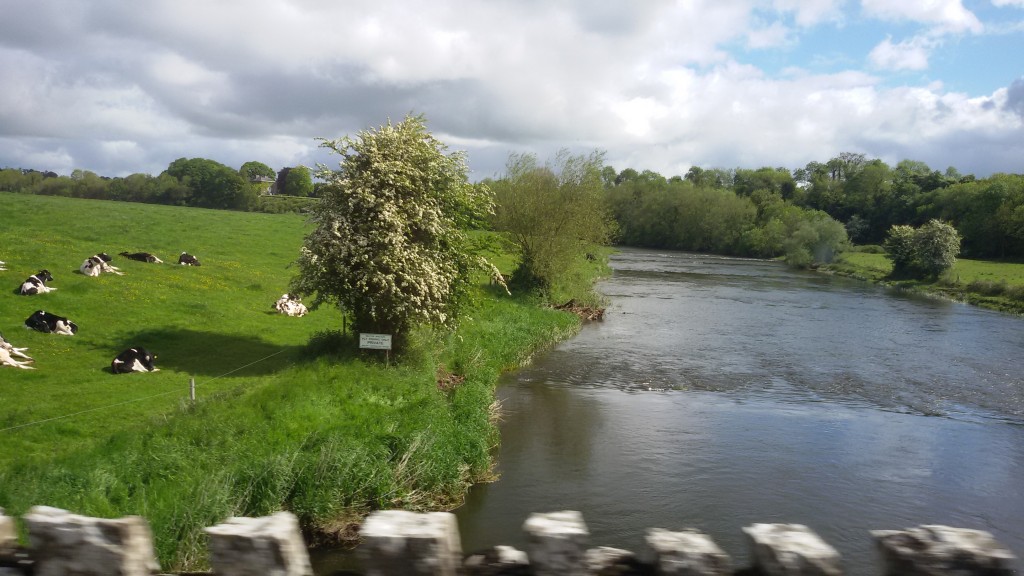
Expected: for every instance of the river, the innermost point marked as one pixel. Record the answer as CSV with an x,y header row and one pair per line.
x,y
722,392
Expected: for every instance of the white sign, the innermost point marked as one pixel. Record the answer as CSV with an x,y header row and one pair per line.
x,y
375,341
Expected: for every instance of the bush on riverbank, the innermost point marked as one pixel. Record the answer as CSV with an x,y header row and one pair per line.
x,y
275,427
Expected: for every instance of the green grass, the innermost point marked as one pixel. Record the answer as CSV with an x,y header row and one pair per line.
x,y
288,416
995,285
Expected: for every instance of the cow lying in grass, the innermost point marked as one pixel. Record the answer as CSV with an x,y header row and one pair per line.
x,y
8,352
290,306
133,360
98,263
142,257
36,284
51,323
187,259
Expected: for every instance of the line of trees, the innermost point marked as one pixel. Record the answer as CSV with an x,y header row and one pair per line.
x,y
198,182
753,211
723,213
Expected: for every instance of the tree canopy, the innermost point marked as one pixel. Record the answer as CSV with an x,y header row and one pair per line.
x,y
387,247
925,252
212,184
552,213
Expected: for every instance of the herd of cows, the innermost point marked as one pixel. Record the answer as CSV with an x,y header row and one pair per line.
x,y
136,359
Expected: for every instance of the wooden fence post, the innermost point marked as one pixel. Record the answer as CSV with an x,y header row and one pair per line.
x,y
192,389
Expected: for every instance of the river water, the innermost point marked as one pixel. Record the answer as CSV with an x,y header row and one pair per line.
x,y
722,392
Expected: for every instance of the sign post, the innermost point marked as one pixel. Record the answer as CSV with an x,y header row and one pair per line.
x,y
376,342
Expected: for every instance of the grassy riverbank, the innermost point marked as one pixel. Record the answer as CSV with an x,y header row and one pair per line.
x,y
995,285
288,416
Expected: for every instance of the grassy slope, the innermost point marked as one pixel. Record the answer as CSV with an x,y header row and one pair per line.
x,y
326,437
960,283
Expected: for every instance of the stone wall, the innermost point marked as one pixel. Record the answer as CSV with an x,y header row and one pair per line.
x,y
400,543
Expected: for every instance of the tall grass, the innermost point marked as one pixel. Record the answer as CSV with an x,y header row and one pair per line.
x,y
278,424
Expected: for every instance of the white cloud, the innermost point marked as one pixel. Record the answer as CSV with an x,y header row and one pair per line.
x,y
944,15
133,86
774,35
908,55
812,12
1018,3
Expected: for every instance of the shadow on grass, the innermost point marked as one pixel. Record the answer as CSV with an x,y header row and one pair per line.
x,y
204,353
211,353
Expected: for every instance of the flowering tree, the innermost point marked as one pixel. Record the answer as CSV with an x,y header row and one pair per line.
x,y
388,245
925,252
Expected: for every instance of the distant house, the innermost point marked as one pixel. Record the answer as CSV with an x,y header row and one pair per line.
x,y
269,185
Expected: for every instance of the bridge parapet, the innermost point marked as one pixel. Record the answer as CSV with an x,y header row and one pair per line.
x,y
400,543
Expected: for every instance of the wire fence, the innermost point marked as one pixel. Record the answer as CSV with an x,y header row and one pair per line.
x,y
116,404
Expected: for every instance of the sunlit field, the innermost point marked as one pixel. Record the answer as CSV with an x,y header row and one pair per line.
x,y
288,414
996,285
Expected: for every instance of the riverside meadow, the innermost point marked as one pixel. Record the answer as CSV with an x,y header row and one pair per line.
x,y
289,415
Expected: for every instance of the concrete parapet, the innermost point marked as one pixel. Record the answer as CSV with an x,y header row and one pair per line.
x,y
557,543
932,550
604,560
8,535
267,546
685,553
497,561
62,543
401,542
791,550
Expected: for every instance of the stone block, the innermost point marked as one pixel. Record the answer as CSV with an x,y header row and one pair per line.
x,y
685,553
499,560
63,543
557,543
268,545
402,542
933,549
610,561
8,534
791,550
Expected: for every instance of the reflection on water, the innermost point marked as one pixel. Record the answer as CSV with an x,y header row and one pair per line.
x,y
722,392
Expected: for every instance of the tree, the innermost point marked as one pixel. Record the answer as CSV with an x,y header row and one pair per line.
x,y
922,253
387,245
298,182
213,185
817,240
553,213
252,170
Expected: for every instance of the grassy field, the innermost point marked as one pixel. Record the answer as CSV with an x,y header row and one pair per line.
x,y
288,415
996,285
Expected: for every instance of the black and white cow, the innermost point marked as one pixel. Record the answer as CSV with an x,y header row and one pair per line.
x,y
142,257
98,263
290,306
51,323
187,259
8,352
36,284
133,360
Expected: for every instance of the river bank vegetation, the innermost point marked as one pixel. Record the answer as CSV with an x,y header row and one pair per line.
x,y
288,414
987,283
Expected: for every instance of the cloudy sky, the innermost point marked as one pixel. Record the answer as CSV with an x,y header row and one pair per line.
x,y
119,87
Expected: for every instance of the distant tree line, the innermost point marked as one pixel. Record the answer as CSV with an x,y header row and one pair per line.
x,y
723,212
195,182
763,212
770,212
